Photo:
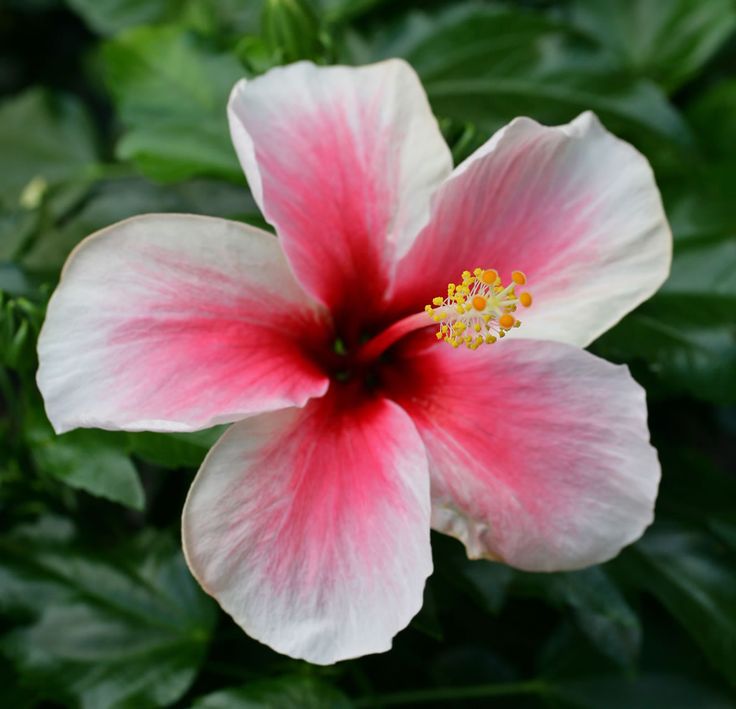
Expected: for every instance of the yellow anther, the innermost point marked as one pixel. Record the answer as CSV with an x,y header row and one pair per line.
x,y
518,277
490,276
506,321
437,301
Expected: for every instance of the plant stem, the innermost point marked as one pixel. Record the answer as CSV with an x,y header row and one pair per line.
x,y
444,694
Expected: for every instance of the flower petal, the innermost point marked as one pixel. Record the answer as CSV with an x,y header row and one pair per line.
x,y
311,527
572,206
342,162
173,323
539,452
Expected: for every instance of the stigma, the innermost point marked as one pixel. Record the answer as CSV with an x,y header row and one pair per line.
x,y
480,309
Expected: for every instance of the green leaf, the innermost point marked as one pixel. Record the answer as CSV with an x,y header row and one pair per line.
x,y
17,226
490,65
427,621
694,577
171,91
489,582
700,202
110,201
108,17
219,18
226,20
44,139
15,694
696,491
665,41
712,115
14,281
596,606
290,29
687,332
646,691
126,630
174,150
281,693
600,612
20,323
174,450
339,11
704,270
92,461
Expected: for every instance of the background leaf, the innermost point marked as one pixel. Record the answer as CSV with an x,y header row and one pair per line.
x,y
111,108
284,693
88,461
112,16
127,630
600,611
687,332
695,578
667,42
115,199
44,139
174,450
171,90
490,64
652,690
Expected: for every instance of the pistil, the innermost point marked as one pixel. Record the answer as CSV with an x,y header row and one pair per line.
x,y
381,342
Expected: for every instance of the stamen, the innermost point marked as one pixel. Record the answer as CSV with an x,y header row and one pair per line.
x,y
506,321
478,310
518,277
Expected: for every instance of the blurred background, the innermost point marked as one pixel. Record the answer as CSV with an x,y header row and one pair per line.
x,y
112,108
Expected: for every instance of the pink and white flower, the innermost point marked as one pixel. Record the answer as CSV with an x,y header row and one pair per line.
x,y
354,428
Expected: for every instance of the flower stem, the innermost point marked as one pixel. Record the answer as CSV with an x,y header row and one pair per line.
x,y
446,694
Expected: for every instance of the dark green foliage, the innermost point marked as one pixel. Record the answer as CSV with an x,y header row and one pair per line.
x,y
283,692
169,90
129,629
124,113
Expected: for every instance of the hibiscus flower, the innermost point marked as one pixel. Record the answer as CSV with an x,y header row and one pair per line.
x,y
360,420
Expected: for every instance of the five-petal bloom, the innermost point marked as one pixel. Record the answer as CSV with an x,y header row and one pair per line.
x,y
357,429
